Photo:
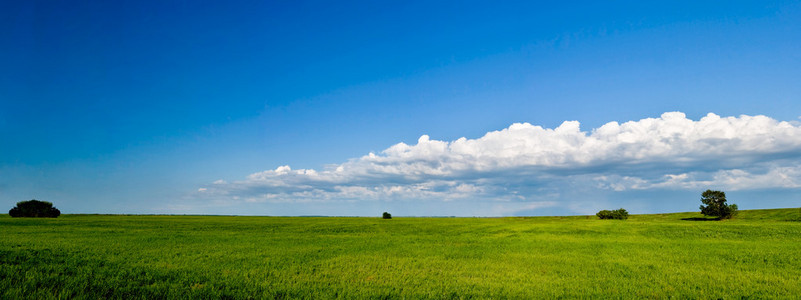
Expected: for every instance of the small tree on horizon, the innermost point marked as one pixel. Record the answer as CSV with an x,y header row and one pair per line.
x,y
618,214
715,205
34,209
386,215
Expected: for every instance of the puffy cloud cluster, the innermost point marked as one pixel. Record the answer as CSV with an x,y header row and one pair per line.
x,y
530,163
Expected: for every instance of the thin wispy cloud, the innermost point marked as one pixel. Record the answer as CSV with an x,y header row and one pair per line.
x,y
533,165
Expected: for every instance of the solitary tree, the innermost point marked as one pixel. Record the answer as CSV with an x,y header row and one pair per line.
x,y
715,205
34,209
386,215
618,214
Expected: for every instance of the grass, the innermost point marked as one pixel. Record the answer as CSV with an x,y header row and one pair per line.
x,y
756,255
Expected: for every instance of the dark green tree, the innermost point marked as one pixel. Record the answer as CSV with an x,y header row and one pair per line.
x,y
386,215
34,209
715,205
618,214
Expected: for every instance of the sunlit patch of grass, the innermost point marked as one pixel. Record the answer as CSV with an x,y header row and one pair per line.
x,y
757,254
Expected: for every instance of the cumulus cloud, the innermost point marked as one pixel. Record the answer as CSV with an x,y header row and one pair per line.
x,y
523,162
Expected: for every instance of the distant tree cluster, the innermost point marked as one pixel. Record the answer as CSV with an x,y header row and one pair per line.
x,y
386,215
715,205
618,214
34,209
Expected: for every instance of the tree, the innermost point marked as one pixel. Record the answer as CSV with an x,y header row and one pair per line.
x,y
715,205
34,209
386,215
618,214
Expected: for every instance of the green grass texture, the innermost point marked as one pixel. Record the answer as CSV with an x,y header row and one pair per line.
x,y
755,255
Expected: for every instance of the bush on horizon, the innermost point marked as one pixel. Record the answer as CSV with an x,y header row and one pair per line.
x,y
34,209
618,214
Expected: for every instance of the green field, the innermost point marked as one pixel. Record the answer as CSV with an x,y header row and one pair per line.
x,y
756,255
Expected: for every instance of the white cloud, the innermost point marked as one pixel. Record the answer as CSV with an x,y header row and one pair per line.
x,y
759,177
523,161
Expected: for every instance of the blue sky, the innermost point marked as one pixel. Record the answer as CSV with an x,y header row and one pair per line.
x,y
196,107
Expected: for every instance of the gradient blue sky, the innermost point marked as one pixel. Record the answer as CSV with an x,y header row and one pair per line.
x,y
140,106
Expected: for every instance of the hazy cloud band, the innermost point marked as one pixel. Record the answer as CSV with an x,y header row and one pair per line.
x,y
529,163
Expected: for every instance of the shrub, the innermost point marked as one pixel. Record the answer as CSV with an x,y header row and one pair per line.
x,y
618,214
386,215
34,209
716,205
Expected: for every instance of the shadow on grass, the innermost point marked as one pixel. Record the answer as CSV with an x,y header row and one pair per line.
x,y
700,219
